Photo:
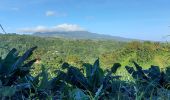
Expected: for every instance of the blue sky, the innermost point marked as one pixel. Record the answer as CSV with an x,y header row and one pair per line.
x,y
141,19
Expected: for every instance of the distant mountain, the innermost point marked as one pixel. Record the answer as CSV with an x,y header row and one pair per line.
x,y
80,35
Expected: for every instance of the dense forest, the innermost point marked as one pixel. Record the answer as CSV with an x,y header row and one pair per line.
x,y
65,71
53,52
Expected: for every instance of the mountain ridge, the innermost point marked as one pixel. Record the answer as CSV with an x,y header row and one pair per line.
x,y
81,35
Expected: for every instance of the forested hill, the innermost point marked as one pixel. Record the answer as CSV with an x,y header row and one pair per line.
x,y
81,35
54,51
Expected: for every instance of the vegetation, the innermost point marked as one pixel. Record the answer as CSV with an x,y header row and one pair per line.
x,y
69,82
53,52
61,69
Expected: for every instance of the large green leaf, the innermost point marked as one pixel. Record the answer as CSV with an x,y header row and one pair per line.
x,y
6,64
97,76
44,81
7,91
25,56
78,94
115,67
154,72
88,69
77,78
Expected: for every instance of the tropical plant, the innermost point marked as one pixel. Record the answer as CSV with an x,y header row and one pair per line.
x,y
16,82
151,80
94,81
45,87
14,74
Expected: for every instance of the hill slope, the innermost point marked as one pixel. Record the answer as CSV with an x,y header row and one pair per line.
x,y
80,35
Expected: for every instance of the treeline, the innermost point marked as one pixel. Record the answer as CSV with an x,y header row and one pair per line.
x,y
54,51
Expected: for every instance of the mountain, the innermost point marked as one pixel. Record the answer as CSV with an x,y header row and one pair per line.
x,y
80,35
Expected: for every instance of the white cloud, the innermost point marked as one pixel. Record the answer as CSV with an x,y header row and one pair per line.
x,y
54,13
50,13
61,27
68,27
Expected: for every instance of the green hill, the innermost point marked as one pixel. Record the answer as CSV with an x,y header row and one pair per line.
x,y
54,51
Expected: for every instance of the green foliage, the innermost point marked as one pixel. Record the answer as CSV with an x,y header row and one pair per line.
x,y
93,81
52,52
78,79
77,94
6,91
46,87
14,72
16,82
146,53
150,81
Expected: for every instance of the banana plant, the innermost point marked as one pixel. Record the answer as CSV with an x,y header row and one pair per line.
x,y
46,88
93,81
150,80
14,71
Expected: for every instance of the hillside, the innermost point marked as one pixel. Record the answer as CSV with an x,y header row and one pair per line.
x,y
54,51
80,35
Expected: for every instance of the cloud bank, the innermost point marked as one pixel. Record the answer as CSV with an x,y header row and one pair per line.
x,y
61,27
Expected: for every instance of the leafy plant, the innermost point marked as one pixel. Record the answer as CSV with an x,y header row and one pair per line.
x,y
151,80
14,72
92,80
48,88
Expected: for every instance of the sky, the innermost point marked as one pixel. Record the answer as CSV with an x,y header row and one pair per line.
x,y
138,19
